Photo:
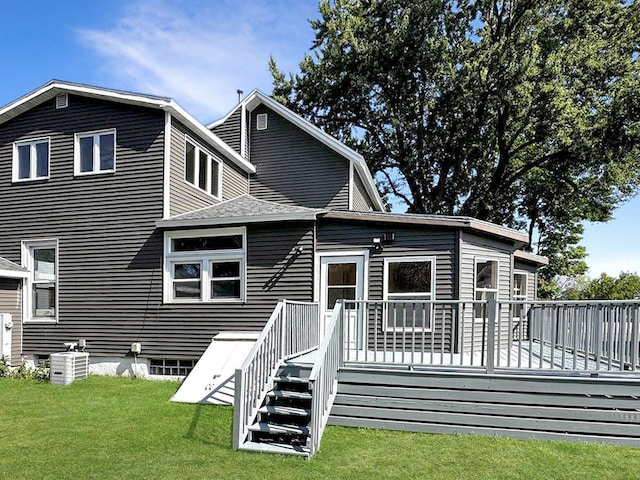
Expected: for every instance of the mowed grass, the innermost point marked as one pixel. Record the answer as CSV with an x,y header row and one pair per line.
x,y
117,428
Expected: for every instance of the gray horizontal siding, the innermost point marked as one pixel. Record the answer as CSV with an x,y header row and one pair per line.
x,y
274,272
184,196
103,223
293,168
230,130
335,235
361,199
552,407
10,302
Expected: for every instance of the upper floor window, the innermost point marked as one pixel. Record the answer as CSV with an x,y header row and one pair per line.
x,y
95,152
31,160
41,293
202,169
205,265
486,283
409,282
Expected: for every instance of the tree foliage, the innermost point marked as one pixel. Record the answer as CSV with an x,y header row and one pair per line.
x,y
517,112
624,287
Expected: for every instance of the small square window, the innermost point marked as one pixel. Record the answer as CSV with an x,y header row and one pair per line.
x,y
31,160
95,153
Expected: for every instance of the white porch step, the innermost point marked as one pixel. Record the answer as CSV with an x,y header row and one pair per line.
x,y
282,429
275,448
289,394
291,379
282,410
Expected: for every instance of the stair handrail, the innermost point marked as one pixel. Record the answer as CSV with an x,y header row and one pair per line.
x,y
292,329
323,380
252,379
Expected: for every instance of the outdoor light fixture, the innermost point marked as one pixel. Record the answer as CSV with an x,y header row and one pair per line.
x,y
377,244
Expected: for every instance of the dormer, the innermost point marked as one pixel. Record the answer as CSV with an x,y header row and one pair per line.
x,y
296,162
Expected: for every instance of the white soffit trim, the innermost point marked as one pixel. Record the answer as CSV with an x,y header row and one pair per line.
x,y
54,87
530,257
256,97
205,222
13,274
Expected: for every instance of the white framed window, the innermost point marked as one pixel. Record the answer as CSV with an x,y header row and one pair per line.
x,y
202,169
486,284
95,152
519,292
409,282
31,160
40,258
204,266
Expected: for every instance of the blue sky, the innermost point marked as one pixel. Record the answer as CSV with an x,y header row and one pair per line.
x,y
200,53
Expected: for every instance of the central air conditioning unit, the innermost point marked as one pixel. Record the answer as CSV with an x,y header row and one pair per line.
x,y
68,366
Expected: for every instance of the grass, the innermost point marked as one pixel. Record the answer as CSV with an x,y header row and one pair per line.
x,y
114,428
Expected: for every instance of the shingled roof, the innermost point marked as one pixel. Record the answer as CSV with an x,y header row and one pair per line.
x,y
243,209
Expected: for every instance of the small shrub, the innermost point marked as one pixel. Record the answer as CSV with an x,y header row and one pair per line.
x,y
40,373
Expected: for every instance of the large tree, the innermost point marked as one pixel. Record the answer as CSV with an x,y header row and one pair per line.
x,y
524,113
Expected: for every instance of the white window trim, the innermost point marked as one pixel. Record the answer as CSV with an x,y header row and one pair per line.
x,y
476,260
526,286
204,257
399,296
33,166
96,152
210,158
27,262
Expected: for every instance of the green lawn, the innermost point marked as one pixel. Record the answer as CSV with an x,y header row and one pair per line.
x,y
120,428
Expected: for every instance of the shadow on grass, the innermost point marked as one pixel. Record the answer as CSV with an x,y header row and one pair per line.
x,y
211,425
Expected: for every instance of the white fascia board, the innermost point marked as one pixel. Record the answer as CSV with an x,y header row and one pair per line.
x,y
13,274
212,138
205,222
54,87
225,118
530,257
256,97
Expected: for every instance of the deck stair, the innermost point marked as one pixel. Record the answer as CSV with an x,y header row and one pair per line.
x,y
282,424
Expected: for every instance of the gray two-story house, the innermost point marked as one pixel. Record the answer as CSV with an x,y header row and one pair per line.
x,y
125,220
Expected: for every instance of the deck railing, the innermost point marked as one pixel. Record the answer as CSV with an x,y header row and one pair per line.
x,y
577,336
323,379
292,330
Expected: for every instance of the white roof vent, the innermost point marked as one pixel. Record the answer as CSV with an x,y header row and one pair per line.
x,y
261,121
62,100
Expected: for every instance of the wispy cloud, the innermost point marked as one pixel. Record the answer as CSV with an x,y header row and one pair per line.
x,y
200,52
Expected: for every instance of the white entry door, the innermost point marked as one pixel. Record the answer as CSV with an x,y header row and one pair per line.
x,y
342,277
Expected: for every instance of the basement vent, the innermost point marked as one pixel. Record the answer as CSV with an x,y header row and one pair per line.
x,y
261,121
62,100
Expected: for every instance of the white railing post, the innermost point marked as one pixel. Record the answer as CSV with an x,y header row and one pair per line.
x,y
491,332
239,421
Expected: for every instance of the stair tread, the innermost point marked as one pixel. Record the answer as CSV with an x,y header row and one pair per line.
x,y
291,379
270,447
303,412
290,394
278,428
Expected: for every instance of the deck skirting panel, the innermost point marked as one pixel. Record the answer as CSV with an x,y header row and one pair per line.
x,y
605,410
